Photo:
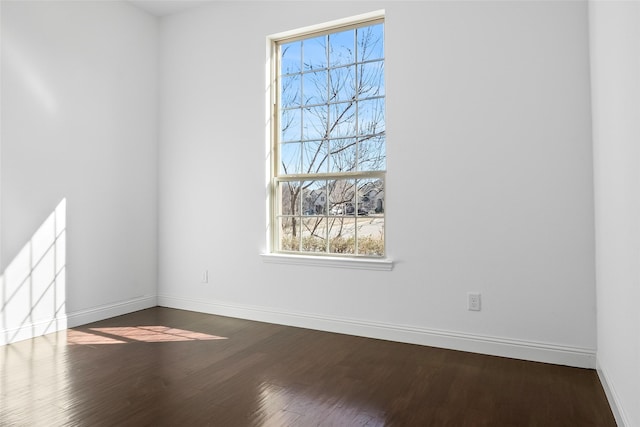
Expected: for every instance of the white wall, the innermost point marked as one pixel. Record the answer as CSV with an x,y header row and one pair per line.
x,y
489,177
79,123
615,62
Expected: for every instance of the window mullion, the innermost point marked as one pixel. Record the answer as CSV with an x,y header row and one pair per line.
x,y
299,215
327,247
301,112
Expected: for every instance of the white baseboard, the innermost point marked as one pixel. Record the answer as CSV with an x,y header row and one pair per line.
x,y
612,397
95,314
34,329
496,346
526,350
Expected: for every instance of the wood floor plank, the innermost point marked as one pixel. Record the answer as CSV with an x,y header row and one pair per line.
x,y
166,367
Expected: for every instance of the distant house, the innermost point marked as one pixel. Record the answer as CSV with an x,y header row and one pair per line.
x,y
338,199
371,197
314,202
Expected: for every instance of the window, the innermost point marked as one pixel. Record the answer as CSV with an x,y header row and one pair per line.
x,y
329,142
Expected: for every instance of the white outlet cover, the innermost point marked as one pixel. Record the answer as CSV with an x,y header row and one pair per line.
x,y
473,301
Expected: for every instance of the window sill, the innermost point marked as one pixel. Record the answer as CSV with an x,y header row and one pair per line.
x,y
375,264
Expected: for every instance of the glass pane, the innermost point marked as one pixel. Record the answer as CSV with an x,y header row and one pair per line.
x,y
370,197
370,236
341,196
314,157
341,48
341,235
314,122
371,77
342,119
315,53
290,158
290,95
290,58
371,118
370,42
289,234
314,232
291,125
372,154
315,88
342,84
289,193
314,198
342,157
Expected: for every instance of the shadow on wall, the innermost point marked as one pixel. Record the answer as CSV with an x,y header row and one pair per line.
x,y
32,298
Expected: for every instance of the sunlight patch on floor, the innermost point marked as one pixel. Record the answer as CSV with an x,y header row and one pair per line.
x,y
125,334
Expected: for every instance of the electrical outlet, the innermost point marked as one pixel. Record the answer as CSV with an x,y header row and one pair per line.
x,y
205,277
473,301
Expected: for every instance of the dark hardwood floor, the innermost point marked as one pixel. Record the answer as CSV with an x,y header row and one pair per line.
x,y
165,367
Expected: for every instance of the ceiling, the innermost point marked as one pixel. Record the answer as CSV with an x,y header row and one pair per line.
x,y
165,7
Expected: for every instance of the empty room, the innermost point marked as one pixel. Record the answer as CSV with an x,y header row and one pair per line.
x,y
319,213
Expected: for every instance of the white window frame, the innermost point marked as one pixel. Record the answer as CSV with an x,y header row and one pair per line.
x,y
303,258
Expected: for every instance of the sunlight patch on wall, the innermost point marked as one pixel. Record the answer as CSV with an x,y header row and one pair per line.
x,y
33,294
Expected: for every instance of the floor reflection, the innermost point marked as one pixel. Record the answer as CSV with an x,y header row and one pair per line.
x,y
63,378
280,406
31,373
